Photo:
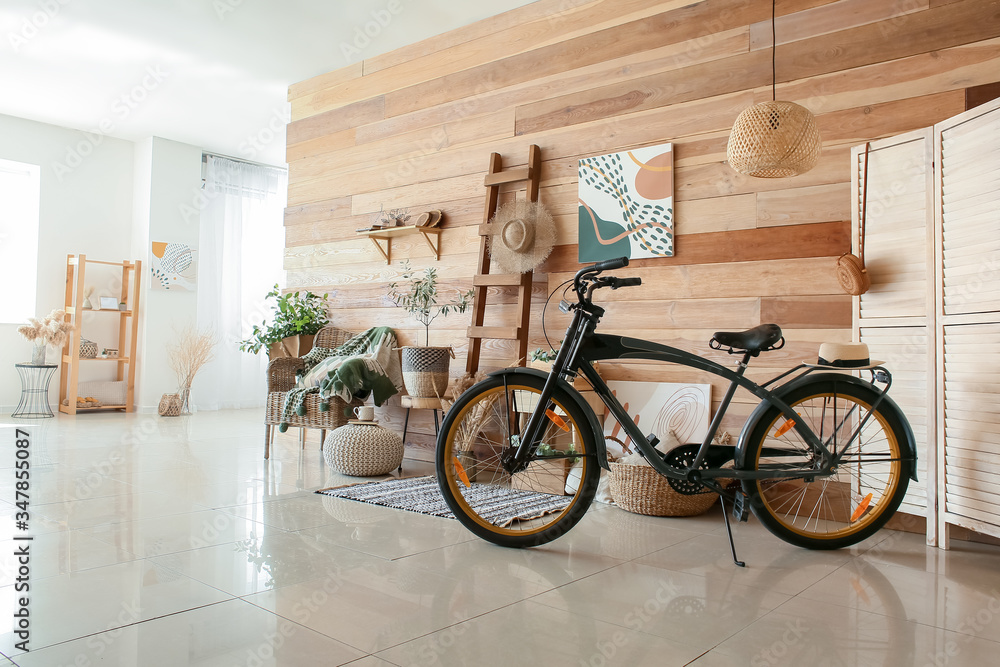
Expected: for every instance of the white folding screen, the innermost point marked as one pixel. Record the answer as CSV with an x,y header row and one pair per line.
x,y
967,244
893,316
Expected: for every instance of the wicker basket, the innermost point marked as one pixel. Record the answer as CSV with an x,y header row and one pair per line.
x,y
425,370
88,349
642,490
170,405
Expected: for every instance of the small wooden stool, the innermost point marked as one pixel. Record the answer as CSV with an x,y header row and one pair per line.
x,y
420,403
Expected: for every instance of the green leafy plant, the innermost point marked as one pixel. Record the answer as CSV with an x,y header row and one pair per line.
x,y
543,355
420,298
546,450
294,314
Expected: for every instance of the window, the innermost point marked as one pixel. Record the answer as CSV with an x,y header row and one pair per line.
x,y
19,193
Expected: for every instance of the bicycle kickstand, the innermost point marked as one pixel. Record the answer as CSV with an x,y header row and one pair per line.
x,y
729,531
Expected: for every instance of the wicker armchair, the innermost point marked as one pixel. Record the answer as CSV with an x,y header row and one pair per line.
x,y
281,377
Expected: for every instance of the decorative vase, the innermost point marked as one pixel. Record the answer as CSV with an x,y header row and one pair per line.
x,y
185,400
38,353
425,370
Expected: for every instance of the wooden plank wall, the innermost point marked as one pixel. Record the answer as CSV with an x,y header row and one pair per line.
x,y
414,128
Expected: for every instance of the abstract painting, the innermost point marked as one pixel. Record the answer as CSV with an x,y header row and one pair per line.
x,y
662,407
626,204
174,266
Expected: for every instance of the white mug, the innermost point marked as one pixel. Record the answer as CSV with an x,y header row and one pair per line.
x,y
365,413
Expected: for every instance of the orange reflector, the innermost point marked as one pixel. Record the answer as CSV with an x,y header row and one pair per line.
x,y
557,420
785,428
461,472
865,502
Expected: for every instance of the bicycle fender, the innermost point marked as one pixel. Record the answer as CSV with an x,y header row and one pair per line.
x,y
910,445
574,395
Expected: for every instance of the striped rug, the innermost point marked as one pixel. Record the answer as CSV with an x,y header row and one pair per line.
x,y
499,506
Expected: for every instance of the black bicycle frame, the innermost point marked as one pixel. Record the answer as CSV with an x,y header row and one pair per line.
x,y
582,347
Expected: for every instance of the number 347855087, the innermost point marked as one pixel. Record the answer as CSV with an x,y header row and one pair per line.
x,y
22,474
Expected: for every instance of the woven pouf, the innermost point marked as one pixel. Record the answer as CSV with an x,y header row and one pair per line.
x,y
363,450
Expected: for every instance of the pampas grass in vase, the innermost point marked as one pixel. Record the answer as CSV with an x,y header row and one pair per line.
x,y
50,330
192,350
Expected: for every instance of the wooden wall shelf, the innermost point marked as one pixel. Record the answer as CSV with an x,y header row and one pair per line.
x,y
387,234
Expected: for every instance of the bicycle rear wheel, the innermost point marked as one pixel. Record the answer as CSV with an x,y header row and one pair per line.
x,y
866,487
530,507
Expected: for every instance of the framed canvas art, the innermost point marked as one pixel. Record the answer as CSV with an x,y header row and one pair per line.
x,y
626,204
662,407
174,266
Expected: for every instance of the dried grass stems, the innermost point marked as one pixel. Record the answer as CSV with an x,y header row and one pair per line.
x,y
475,422
51,330
192,350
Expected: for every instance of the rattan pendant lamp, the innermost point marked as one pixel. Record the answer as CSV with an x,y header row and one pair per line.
x,y
774,139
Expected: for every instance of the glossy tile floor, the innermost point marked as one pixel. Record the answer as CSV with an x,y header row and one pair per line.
x,y
172,542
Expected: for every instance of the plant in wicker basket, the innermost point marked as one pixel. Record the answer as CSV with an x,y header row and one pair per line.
x,y
425,369
295,315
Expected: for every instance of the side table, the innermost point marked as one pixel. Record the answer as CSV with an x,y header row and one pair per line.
x,y
34,390
419,403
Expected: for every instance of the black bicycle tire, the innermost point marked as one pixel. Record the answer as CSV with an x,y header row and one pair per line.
x,y
566,519
892,421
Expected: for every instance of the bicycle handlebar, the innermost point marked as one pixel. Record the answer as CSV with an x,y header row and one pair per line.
x,y
585,281
611,264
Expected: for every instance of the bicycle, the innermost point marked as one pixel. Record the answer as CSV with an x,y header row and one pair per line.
x,y
823,461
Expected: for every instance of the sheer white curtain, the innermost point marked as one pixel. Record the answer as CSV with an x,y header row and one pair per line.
x,y
241,243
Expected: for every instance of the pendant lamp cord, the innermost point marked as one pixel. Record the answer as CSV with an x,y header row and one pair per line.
x,y
774,48
864,208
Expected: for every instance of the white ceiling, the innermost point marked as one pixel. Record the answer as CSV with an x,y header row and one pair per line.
x,y
212,73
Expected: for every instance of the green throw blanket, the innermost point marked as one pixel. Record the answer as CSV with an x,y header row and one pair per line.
x,y
365,364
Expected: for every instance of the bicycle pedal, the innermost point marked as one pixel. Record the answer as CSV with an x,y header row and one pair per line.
x,y
740,511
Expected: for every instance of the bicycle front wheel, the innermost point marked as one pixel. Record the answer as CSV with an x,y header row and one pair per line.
x,y
534,505
866,487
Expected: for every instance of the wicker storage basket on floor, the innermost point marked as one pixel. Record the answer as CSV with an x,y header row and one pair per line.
x,y
642,490
170,405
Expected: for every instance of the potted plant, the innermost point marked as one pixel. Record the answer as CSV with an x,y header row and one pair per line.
x,y
425,369
296,320
542,360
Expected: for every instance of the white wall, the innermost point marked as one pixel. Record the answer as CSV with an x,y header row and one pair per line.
x,y
86,207
167,182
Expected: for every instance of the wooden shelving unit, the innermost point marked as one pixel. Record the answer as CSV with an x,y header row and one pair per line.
x,y
128,332
388,233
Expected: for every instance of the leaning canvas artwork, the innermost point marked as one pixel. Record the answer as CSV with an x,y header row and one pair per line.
x,y
662,407
626,205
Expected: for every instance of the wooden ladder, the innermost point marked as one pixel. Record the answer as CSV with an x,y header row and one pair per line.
x,y
496,177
